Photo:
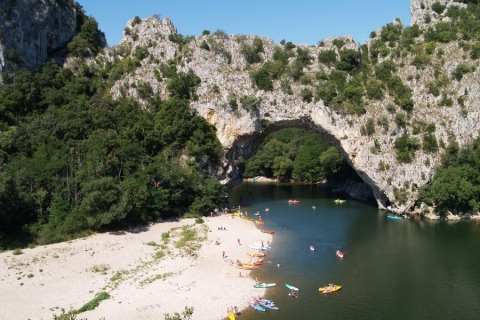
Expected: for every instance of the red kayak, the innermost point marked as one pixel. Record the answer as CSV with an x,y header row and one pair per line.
x,y
340,254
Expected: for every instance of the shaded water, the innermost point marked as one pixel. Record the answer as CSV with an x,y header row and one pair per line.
x,y
409,269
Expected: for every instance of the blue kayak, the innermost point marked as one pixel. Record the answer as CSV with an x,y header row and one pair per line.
x,y
394,217
256,306
269,304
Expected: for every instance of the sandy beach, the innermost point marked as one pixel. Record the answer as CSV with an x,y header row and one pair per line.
x,y
145,274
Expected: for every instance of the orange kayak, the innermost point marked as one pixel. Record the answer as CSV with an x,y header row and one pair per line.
x,y
268,231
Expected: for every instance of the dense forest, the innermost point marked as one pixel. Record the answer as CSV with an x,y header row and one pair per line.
x,y
73,160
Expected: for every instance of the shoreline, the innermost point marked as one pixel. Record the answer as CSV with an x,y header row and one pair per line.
x,y
145,276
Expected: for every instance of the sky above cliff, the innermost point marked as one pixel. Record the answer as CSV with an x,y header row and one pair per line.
x,y
298,21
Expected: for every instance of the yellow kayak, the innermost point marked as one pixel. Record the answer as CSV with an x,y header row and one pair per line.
x,y
231,315
329,289
245,267
255,254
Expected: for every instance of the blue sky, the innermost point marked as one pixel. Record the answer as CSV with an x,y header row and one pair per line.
x,y
298,21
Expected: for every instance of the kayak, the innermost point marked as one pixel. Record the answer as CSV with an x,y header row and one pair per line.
x,y
339,201
259,222
264,285
293,201
268,231
291,287
256,306
340,254
256,254
394,217
245,267
231,315
258,247
268,305
329,289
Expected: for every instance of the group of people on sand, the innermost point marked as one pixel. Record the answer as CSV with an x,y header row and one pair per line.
x,y
222,228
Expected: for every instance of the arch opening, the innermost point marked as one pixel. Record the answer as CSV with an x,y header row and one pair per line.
x,y
246,147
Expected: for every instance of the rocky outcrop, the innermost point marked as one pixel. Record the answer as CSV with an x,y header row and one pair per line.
x,y
423,15
33,31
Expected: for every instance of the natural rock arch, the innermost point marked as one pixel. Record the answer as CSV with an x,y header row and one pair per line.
x,y
247,145
225,75
241,139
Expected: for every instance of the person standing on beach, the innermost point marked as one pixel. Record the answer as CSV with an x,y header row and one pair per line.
x,y
238,241
223,254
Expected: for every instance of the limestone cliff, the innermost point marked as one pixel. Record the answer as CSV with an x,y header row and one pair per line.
x,y
225,76
243,115
32,31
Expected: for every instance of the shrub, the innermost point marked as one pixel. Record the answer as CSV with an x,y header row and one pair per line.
x,y
136,21
141,52
438,7
446,101
383,121
430,144
400,120
250,103
262,79
205,46
252,52
339,43
370,127
328,57
220,34
374,90
460,70
420,61
405,148
306,95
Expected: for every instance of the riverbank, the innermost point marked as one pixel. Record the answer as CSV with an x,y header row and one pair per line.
x,y
147,272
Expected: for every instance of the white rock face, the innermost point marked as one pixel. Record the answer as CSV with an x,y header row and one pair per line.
x,y
30,30
224,75
423,15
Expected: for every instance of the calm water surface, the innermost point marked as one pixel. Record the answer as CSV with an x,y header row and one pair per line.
x,y
409,269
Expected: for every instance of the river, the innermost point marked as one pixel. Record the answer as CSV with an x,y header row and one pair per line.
x,y
392,269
